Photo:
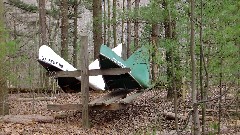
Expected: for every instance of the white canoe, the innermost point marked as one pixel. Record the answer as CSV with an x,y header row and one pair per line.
x,y
53,62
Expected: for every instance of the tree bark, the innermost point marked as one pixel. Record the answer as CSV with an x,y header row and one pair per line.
x,y
104,24
64,29
203,93
43,36
123,9
75,34
114,23
136,24
155,33
128,29
97,27
196,123
109,24
42,22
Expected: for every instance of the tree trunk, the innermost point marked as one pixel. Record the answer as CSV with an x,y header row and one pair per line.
x,y
104,24
42,23
109,24
170,33
155,33
220,91
124,45
3,86
123,10
196,123
43,37
114,23
75,34
203,93
136,24
64,29
97,27
128,29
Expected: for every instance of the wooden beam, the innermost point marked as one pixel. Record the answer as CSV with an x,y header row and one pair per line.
x,y
79,107
108,102
110,71
130,98
37,99
84,81
113,106
93,72
101,100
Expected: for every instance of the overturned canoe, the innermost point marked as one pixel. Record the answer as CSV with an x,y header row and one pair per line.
x,y
53,62
138,62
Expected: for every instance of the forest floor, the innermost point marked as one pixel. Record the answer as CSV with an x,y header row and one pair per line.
x,y
146,115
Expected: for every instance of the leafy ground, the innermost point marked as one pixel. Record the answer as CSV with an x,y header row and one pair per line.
x,y
146,115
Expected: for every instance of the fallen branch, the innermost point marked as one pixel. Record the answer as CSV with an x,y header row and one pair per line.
x,y
37,99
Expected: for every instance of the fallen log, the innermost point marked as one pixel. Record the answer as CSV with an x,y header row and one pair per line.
x,y
26,119
171,116
37,99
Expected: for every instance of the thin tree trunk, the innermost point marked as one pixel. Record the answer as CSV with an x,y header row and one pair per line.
x,y
42,22
128,29
136,24
124,45
123,21
155,33
170,26
109,23
97,27
114,23
43,36
220,91
203,96
173,75
3,84
196,123
104,23
75,34
64,29
238,84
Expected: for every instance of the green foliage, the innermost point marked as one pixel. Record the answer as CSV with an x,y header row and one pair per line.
x,y
214,126
152,12
7,49
24,6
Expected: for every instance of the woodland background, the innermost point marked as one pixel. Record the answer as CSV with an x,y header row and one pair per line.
x,y
194,47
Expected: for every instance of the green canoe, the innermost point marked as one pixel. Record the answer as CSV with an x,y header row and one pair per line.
x,y
138,62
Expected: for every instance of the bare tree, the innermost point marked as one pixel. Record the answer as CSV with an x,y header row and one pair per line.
x,y
195,115
64,29
97,26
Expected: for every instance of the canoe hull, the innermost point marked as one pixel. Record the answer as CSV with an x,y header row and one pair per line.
x,y
137,78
